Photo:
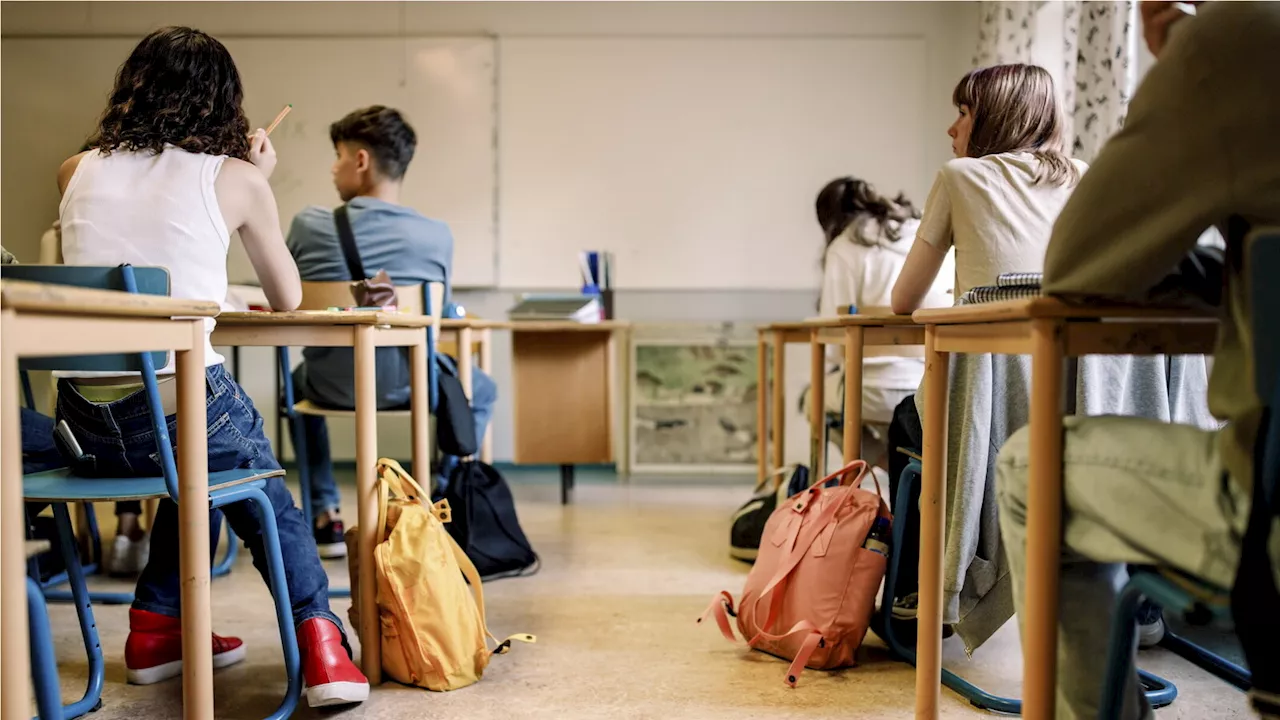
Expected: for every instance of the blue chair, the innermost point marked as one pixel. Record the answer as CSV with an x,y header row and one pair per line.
x,y
1160,692
95,546
62,486
322,295
1201,602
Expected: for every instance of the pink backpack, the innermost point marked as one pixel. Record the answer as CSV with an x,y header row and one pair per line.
x,y
810,595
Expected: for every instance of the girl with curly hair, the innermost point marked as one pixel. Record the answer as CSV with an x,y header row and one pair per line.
x,y
173,172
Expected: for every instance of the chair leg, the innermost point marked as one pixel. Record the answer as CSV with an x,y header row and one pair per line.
x,y
1213,663
95,541
298,431
1120,650
229,557
44,666
92,699
279,592
1160,692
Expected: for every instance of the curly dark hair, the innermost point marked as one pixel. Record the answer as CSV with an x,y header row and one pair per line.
x,y
383,132
179,87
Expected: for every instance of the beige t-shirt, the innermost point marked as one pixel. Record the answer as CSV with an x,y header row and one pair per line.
x,y
993,212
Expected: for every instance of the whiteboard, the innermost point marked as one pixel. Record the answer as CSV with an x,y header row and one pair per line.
x,y
54,90
713,150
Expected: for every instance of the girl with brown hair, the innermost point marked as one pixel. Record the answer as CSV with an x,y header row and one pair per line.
x,y
996,202
867,238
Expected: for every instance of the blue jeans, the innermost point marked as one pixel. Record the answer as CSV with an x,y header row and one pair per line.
x,y
118,441
39,451
324,490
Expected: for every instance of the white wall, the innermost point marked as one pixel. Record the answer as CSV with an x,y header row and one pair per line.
x,y
947,31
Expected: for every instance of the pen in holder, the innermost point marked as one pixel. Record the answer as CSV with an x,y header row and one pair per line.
x,y
606,303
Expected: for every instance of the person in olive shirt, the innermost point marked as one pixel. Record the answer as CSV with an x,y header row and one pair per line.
x,y
1198,149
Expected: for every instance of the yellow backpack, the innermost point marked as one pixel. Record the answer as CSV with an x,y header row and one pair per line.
x,y
433,629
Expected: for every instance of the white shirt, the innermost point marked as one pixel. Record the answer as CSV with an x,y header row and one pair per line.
x,y
151,211
994,214
861,267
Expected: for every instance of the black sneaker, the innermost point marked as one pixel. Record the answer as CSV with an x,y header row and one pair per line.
x,y
329,541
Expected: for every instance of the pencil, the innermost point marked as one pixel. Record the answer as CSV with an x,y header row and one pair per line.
x,y
279,117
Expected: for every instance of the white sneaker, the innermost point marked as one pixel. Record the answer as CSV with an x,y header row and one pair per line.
x,y
1150,635
905,608
127,557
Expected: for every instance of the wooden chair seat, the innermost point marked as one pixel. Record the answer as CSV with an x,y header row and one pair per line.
x,y
306,407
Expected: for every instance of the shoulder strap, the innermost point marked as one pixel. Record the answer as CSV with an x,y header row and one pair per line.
x,y
473,579
348,241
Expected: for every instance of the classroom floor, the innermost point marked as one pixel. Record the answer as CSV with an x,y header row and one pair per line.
x,y
626,571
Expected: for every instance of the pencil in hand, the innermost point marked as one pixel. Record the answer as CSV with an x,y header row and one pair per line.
x,y
279,117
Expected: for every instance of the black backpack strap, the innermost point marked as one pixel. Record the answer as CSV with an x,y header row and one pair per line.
x,y
348,241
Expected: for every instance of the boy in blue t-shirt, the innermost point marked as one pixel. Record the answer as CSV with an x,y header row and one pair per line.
x,y
374,146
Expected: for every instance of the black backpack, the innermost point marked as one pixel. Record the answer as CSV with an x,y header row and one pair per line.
x,y
484,522
749,520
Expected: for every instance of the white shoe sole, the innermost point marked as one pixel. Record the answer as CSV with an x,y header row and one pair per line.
x,y
333,551
160,673
337,693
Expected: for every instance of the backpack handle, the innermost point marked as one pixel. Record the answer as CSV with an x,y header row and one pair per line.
x,y
393,478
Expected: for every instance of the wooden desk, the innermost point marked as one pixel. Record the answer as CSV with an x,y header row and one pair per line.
x,y
865,335
564,389
364,332
773,338
1050,331
41,320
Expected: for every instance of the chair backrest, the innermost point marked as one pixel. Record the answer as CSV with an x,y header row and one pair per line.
x,y
142,281
148,281
420,299
1263,248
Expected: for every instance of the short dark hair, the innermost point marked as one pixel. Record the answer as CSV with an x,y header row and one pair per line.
x,y
383,132
178,87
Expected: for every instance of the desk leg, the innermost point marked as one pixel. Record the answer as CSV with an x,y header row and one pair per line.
x,y
367,500
566,484
465,374
817,406
15,680
420,413
486,364
933,504
779,399
762,407
193,521
853,394
464,359
1044,521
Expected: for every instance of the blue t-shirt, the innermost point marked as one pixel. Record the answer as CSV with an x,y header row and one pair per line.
x,y
411,247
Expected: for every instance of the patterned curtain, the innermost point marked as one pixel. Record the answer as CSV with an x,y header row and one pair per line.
x,y
1100,54
1005,33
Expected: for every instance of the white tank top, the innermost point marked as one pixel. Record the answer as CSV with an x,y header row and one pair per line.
x,y
151,211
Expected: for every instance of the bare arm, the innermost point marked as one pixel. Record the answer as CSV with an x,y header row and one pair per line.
x,y
67,170
249,207
917,277
928,252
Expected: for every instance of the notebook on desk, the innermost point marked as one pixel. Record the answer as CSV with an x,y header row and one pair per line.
x,y
575,308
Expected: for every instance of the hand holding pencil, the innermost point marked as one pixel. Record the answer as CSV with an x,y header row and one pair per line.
x,y
261,152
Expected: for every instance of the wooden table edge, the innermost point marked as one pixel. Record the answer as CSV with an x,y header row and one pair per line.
x,y
46,298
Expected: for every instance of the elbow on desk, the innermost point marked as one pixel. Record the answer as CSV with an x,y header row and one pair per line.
x,y
285,300
901,305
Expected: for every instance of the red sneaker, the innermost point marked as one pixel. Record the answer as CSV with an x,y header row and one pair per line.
x,y
153,651
327,672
